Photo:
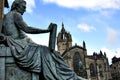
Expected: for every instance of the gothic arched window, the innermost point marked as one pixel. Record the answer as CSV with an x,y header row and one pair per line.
x,y
92,70
77,62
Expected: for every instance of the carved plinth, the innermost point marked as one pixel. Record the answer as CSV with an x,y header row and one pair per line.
x,y
9,70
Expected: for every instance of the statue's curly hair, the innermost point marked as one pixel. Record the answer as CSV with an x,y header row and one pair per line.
x,y
17,3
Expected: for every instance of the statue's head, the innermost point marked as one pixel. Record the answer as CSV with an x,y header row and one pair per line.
x,y
19,6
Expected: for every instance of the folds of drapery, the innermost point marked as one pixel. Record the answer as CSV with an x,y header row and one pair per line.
x,y
37,58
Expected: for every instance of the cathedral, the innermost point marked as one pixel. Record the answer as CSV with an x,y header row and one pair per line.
x,y
92,67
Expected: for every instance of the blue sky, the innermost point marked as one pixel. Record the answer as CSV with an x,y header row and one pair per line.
x,y
94,21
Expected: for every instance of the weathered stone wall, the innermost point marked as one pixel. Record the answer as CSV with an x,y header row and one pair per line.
x,y
104,68
71,54
115,70
63,45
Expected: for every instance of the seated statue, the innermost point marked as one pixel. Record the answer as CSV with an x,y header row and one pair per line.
x,y
31,56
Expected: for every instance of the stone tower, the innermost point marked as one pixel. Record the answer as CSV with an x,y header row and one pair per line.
x,y
64,40
3,3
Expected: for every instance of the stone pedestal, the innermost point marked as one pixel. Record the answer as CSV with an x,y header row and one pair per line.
x,y
9,70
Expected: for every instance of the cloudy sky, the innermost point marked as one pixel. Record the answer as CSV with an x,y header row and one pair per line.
x,y
97,22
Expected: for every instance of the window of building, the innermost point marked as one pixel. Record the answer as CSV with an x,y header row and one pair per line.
x,y
92,70
77,63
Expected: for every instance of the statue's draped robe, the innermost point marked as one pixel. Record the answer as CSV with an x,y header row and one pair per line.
x,y
39,58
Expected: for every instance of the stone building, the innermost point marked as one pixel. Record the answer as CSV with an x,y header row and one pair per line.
x,y
92,67
115,68
97,66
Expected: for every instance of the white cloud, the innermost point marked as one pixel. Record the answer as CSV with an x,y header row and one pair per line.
x,y
88,4
107,13
86,28
118,51
112,35
30,5
110,53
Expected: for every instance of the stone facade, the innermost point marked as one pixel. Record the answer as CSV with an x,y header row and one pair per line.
x,y
92,67
97,67
115,68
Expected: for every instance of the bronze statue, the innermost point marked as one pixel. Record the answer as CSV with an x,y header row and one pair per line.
x,y
29,55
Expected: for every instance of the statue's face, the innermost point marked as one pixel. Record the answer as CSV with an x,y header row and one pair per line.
x,y
22,8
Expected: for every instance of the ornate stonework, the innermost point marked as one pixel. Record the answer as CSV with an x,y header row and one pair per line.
x,y
115,68
92,67
64,40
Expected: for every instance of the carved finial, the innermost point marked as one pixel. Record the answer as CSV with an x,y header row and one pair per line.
x,y
63,29
62,24
101,52
105,54
84,45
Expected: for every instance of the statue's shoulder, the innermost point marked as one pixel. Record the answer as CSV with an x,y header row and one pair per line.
x,y
14,13
9,14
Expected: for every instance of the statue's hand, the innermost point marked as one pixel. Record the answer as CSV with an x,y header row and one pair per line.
x,y
51,26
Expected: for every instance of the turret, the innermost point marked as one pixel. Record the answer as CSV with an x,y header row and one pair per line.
x,y
84,45
64,40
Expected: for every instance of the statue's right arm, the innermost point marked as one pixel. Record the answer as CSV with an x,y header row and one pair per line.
x,y
19,22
